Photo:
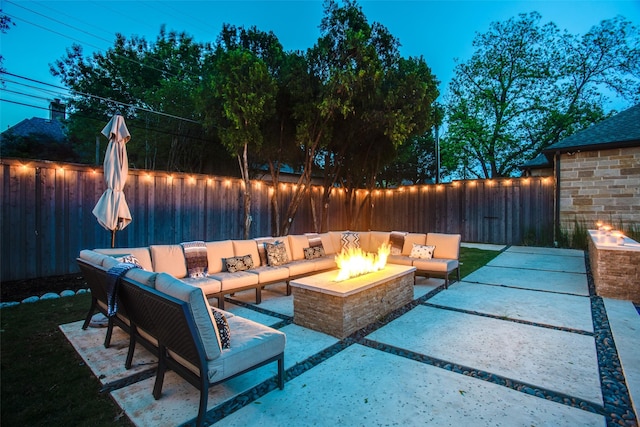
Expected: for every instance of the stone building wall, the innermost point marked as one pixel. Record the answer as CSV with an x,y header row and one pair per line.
x,y
600,185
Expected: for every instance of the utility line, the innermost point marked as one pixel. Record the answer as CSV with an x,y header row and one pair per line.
x,y
91,45
130,124
57,21
85,32
100,98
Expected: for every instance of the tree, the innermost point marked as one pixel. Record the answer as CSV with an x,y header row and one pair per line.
x,y
528,86
5,24
382,101
243,91
152,85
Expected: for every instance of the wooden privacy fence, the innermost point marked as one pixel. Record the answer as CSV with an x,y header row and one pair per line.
x,y
47,219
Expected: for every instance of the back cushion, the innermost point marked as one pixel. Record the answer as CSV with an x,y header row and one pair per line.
x,y
92,256
447,245
377,239
147,278
410,239
336,238
327,243
217,252
142,255
260,241
168,259
297,244
364,237
247,247
200,309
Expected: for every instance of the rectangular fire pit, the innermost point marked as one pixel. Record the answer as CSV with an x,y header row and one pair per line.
x,y
341,308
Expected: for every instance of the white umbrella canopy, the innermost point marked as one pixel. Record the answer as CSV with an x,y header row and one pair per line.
x,y
111,210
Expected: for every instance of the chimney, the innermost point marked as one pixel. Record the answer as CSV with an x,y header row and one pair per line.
x,y
57,110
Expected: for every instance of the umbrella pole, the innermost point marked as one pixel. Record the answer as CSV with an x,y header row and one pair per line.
x,y
113,238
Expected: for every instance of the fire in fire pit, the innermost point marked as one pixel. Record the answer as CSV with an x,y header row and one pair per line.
x,y
355,262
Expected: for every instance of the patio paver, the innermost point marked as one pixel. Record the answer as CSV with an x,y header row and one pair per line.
x,y
478,353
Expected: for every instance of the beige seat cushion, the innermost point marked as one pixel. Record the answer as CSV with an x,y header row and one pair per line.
x,y
267,274
237,280
447,245
325,263
209,285
200,309
300,267
436,265
168,259
251,343
400,260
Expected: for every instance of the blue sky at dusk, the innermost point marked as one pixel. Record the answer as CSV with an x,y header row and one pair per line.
x,y
440,31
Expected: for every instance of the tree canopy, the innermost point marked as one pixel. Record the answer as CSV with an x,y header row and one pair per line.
x,y
528,86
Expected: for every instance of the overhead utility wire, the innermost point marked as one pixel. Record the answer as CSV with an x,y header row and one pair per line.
x,y
59,22
26,94
89,44
86,32
176,11
124,104
129,124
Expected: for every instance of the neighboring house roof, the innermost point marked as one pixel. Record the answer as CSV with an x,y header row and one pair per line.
x,y
38,126
621,130
539,162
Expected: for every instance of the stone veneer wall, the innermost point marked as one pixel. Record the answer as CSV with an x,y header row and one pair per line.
x,y
616,272
600,185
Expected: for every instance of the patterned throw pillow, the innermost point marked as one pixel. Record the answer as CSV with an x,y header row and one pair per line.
x,y
239,263
422,251
195,254
313,252
396,239
276,254
314,240
129,259
223,328
350,240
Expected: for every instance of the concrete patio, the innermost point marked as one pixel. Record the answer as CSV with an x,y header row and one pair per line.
x,y
520,342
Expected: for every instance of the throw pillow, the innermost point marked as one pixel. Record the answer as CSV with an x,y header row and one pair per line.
x,y
422,251
223,328
129,259
396,239
313,252
276,253
262,252
195,254
350,240
314,240
239,263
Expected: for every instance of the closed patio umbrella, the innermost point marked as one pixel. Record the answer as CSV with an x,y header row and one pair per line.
x,y
111,210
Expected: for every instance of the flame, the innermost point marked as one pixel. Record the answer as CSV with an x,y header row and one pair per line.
x,y
354,262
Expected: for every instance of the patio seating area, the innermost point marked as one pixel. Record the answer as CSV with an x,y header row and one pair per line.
x,y
521,341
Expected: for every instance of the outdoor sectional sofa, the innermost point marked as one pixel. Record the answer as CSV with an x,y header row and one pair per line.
x,y
219,281
169,313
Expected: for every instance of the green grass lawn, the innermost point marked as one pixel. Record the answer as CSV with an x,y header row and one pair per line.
x,y
45,382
